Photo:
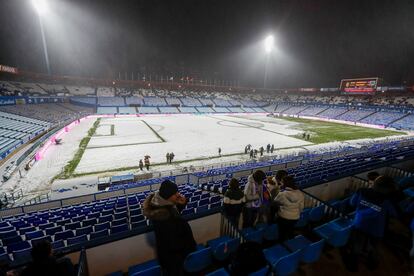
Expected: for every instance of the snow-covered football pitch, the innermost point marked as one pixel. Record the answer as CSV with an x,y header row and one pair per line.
x,y
121,142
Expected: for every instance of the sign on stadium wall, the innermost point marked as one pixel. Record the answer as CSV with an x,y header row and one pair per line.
x,y
7,100
9,69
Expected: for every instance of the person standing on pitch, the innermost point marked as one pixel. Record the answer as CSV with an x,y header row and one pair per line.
x,y
141,165
219,151
168,156
173,235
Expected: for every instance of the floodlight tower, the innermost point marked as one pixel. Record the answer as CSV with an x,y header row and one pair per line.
x,y
41,7
268,46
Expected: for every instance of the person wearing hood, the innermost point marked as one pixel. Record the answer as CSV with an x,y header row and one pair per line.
x,y
233,202
291,203
173,234
253,192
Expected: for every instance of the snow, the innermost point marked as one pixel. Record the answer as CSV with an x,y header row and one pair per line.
x,y
37,179
188,136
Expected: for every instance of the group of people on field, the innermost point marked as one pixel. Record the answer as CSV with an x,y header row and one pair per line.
x,y
146,162
270,148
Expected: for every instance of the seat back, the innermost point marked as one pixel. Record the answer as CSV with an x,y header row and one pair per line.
x,y
341,237
317,213
262,272
304,217
271,232
312,253
255,236
198,260
153,271
225,249
288,264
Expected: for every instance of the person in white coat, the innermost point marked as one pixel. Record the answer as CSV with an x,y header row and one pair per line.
x,y
253,192
291,202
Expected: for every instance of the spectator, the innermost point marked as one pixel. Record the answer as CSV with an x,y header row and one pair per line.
x,y
45,264
147,163
167,156
374,207
174,238
273,186
291,202
371,178
233,201
254,197
172,155
141,165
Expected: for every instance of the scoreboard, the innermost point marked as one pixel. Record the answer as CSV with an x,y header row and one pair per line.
x,y
359,86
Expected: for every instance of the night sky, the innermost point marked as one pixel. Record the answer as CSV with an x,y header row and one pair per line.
x,y
318,42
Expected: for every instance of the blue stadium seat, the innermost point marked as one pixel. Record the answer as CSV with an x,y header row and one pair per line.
x,y
152,271
106,218
317,213
23,254
120,228
89,222
304,217
120,215
83,230
7,228
119,221
135,212
35,240
34,234
18,246
202,208
5,258
73,225
53,230
11,240
218,272
64,235
58,244
139,224
8,234
271,232
223,247
334,234
261,272
102,226
254,236
198,260
282,261
188,211
309,252
46,225
132,270
98,234
63,222
77,240
78,218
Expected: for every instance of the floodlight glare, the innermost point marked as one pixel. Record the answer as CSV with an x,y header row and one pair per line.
x,y
40,6
268,43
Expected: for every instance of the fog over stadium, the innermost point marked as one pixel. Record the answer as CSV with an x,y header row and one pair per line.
x,y
206,137
318,42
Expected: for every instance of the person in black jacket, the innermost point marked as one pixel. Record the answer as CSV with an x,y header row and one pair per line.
x,y
45,264
174,238
233,202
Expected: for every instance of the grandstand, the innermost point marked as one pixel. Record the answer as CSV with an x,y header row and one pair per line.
x,y
128,126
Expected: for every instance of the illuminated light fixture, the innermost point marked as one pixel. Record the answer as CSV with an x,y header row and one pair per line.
x,y
268,43
41,6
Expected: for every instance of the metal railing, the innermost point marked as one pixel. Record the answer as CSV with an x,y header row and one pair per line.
x,y
227,228
82,264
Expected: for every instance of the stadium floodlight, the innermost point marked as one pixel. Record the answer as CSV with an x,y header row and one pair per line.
x,y
268,43
41,6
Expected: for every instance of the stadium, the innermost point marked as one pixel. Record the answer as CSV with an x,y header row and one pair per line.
x,y
90,131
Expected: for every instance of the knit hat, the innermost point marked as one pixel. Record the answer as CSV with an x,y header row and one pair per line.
x,y
167,189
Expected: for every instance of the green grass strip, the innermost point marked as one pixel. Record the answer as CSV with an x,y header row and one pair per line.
x,y
153,130
324,132
71,165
